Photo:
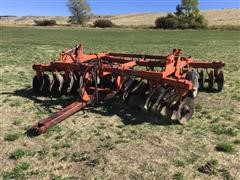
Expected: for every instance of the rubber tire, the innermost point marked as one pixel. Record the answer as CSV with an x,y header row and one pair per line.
x,y
220,81
201,79
211,80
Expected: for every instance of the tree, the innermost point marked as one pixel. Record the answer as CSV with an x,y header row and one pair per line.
x,y
179,11
190,7
80,11
168,22
103,23
186,16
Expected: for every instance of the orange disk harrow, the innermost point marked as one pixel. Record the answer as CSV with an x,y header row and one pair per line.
x,y
164,85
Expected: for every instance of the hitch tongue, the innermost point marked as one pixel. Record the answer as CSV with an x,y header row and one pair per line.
x,y
43,125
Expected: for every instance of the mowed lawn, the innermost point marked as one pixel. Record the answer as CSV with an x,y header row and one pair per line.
x,y
112,141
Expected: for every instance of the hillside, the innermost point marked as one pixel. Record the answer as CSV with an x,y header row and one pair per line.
x,y
214,17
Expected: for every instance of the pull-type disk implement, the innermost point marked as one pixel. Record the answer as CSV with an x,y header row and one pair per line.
x,y
163,85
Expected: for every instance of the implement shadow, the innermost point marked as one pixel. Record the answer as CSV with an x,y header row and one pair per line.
x,y
129,115
114,106
42,102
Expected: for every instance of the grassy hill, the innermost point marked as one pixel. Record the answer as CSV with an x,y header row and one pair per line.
x,y
214,17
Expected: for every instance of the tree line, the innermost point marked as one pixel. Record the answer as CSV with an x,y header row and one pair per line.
x,y
186,16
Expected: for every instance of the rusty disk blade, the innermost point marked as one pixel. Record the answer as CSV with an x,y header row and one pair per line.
x,y
68,81
171,105
47,81
127,93
125,88
166,100
37,84
193,77
134,101
76,82
108,82
174,115
151,98
127,84
185,110
161,94
57,84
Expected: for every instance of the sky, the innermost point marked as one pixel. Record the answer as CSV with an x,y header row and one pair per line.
x,y
103,7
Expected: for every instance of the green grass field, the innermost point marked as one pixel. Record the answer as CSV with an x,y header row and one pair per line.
x,y
112,141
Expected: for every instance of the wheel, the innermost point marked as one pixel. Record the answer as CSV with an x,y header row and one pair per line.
x,y
220,80
185,110
210,80
193,76
201,79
